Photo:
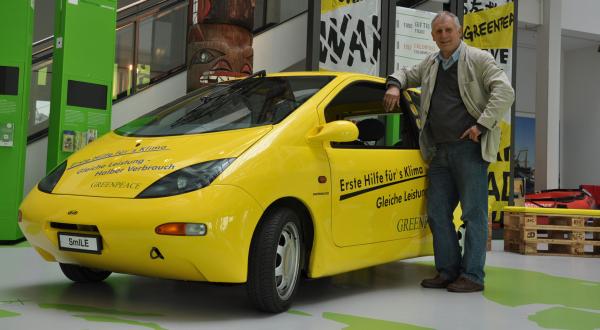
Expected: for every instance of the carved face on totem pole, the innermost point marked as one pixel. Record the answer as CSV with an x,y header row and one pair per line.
x,y
219,41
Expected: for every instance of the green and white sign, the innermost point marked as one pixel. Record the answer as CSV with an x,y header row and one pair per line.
x,y
16,31
84,53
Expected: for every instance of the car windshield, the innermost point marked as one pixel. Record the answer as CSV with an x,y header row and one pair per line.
x,y
255,101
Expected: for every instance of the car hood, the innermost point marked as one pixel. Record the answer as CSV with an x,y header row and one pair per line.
x,y
122,167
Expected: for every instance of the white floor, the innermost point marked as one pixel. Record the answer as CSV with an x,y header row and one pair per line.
x,y
522,292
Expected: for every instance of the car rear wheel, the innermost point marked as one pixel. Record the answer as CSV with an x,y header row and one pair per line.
x,y
82,274
275,261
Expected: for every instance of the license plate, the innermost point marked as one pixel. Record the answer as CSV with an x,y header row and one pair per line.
x,y
80,243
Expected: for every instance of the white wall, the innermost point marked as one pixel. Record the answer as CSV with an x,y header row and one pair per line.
x,y
529,11
581,15
580,114
35,164
278,48
526,63
431,6
148,99
291,8
581,136
580,62
43,25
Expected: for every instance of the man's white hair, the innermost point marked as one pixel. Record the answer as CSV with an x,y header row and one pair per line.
x,y
448,14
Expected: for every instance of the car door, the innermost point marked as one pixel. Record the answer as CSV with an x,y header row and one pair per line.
x,y
378,181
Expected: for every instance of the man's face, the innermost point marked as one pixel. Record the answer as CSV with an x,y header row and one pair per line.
x,y
446,35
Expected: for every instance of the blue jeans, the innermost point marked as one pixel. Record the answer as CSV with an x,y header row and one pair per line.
x,y
457,173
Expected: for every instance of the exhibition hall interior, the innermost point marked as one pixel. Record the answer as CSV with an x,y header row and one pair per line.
x,y
268,164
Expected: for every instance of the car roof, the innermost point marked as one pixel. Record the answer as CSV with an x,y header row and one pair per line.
x,y
342,75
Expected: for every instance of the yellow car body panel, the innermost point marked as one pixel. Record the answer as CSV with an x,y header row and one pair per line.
x,y
220,256
140,161
382,219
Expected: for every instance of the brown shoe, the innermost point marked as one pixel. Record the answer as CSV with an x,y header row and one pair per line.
x,y
437,282
463,284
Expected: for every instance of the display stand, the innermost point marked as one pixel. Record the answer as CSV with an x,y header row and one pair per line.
x,y
16,30
84,53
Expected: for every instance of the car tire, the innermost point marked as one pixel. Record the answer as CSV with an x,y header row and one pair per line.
x,y
276,256
82,274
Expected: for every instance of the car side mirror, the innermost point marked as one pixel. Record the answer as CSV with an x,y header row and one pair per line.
x,y
335,131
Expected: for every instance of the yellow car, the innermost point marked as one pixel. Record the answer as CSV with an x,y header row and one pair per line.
x,y
259,181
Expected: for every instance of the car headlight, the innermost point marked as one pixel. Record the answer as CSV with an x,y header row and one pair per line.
x,y
49,182
187,179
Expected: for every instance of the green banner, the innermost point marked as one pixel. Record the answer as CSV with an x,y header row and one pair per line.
x,y
84,53
16,30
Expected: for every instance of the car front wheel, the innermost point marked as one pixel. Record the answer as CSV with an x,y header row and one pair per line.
x,y
275,258
82,274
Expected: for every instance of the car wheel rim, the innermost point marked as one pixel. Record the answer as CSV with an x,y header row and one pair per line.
x,y
287,261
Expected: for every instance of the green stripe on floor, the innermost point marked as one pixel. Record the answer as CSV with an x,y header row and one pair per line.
x,y
517,287
111,319
297,312
88,309
17,245
359,323
4,313
566,318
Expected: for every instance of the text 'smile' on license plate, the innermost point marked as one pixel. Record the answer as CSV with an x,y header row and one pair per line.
x,y
80,243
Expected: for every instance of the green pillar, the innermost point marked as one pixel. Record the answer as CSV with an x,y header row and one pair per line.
x,y
16,30
84,54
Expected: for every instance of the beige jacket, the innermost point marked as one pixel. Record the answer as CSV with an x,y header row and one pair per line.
x,y
484,89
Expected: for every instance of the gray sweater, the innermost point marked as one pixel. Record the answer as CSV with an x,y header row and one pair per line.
x,y
448,117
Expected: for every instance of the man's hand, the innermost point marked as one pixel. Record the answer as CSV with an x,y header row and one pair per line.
x,y
391,99
472,133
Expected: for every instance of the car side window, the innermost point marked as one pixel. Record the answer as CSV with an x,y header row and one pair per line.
x,y
362,104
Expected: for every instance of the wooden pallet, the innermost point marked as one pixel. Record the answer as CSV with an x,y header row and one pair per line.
x,y
551,234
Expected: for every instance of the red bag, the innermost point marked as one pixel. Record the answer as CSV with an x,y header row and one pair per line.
x,y
560,198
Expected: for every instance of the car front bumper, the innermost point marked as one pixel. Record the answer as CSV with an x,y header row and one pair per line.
x,y
127,231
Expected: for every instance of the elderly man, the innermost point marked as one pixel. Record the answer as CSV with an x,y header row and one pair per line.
x,y
464,98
